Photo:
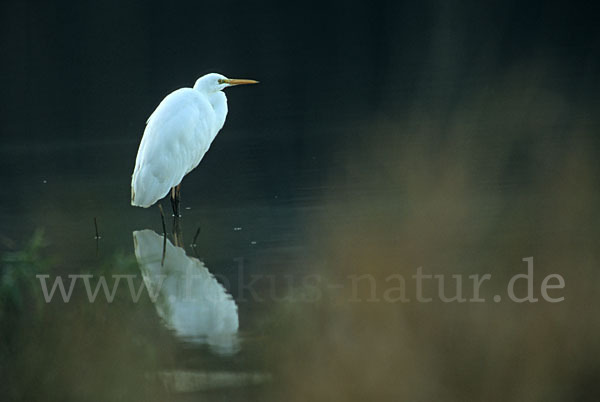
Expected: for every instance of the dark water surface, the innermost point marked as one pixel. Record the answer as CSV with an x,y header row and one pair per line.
x,y
385,138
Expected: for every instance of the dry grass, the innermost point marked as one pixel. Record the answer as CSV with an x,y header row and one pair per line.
x,y
512,172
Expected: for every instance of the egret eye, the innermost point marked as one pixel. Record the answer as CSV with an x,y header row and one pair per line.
x,y
221,81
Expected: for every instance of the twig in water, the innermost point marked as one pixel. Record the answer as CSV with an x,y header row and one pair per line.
x,y
194,244
196,237
97,237
96,227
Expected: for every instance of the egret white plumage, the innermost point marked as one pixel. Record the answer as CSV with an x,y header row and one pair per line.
x,y
177,135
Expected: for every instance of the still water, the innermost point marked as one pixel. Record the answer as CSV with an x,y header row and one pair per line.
x,y
253,293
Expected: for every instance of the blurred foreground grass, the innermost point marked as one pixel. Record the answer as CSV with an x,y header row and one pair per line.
x,y
507,173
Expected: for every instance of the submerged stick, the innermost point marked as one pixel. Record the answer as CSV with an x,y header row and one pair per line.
x,y
194,244
196,237
97,237
96,227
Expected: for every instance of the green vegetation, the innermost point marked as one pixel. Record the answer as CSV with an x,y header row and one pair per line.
x,y
76,350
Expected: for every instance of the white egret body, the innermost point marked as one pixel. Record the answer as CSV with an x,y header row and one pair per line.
x,y
177,135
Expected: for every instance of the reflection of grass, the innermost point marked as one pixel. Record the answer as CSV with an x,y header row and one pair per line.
x,y
75,350
504,177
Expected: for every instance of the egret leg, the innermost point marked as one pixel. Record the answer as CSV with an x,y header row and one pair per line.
x,y
177,232
175,199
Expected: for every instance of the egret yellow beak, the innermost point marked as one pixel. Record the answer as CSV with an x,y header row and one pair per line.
x,y
234,81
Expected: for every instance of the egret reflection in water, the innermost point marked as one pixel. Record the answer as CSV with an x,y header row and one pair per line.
x,y
188,298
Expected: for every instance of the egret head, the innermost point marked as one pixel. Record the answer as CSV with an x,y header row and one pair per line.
x,y
214,82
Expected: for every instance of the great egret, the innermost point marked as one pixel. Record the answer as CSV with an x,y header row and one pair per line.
x,y
177,135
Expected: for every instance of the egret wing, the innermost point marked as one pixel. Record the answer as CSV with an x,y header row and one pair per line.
x,y
176,137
